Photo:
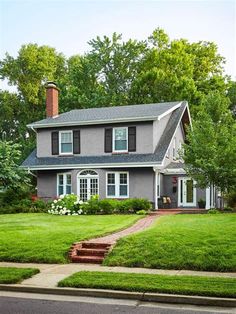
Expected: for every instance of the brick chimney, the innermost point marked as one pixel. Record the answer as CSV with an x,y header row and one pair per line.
x,y
52,92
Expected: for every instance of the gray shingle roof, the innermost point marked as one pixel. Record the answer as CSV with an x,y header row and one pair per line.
x,y
169,131
106,114
32,160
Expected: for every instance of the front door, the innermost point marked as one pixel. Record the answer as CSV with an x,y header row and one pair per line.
x,y
187,192
87,184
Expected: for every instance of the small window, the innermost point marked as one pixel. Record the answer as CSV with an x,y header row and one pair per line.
x,y
120,139
63,184
66,142
117,184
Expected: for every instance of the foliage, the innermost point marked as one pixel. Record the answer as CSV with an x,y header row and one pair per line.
x,y
210,154
188,285
141,212
66,205
109,206
11,176
112,72
213,211
10,275
231,199
25,206
43,238
191,242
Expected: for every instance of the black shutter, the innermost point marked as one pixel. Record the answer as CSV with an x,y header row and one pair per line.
x,y
132,139
108,140
55,143
76,142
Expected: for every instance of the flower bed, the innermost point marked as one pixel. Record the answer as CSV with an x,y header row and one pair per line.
x,y
71,205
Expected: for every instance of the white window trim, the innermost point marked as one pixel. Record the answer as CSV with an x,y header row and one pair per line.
x,y
64,174
65,131
113,140
87,176
117,184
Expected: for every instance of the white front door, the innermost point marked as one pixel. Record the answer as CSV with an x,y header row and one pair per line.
x,y
87,184
187,192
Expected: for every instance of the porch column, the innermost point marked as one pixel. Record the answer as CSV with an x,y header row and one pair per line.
x,y
208,197
156,187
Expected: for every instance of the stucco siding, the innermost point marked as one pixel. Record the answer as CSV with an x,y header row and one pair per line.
x,y
141,182
180,138
158,129
92,139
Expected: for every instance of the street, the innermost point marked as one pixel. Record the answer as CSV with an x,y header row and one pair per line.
x,y
26,303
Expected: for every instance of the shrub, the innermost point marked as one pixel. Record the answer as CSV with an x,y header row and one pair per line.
x,y
25,206
67,205
231,199
91,207
107,206
141,212
213,211
137,204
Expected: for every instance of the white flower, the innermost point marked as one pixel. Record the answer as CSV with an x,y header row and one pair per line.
x,y
55,201
81,202
62,196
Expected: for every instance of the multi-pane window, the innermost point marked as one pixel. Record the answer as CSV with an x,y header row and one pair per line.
x,y
120,139
117,184
66,142
63,184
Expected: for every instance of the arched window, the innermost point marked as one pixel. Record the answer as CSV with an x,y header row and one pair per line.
x,y
88,173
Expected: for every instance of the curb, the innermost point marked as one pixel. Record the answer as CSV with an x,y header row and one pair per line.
x,y
117,294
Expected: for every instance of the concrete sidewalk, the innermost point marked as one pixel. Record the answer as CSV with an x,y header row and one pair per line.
x,y
51,274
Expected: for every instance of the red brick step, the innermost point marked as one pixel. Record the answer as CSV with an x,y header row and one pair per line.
x,y
87,259
95,245
91,252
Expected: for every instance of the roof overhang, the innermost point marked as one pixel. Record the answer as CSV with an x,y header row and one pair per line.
x,y
171,171
92,166
92,122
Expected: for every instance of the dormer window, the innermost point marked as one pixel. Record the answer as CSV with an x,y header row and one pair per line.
x,y
66,142
120,139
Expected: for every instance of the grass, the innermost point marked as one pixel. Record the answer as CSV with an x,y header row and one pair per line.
x,y
44,238
191,285
10,275
198,242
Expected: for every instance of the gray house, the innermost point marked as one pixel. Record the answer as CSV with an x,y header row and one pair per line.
x,y
116,152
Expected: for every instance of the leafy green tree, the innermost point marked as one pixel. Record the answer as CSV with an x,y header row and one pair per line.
x,y
210,155
177,70
28,72
104,75
11,176
232,96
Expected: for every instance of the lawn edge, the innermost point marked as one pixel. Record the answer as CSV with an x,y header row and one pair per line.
x,y
119,294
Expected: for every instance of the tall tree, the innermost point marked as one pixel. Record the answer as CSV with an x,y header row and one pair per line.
x,y
28,72
177,70
210,155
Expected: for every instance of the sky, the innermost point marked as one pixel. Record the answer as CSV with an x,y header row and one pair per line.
x,y
69,25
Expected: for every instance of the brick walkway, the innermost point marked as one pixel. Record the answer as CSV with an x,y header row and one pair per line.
x,y
138,226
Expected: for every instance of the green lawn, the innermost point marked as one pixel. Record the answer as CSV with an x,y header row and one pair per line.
x,y
198,242
15,275
45,238
191,285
